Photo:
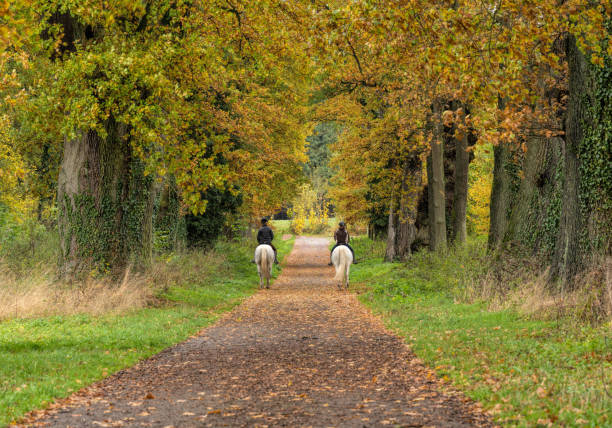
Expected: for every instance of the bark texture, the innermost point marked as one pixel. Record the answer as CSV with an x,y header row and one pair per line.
x,y
437,215
105,204
568,258
462,163
500,197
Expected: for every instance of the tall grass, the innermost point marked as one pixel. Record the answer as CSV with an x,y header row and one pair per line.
x,y
29,286
470,274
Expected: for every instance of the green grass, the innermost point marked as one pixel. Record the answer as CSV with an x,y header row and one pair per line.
x,y
48,358
281,227
284,226
526,372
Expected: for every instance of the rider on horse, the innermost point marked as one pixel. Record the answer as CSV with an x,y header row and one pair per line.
x,y
265,236
341,236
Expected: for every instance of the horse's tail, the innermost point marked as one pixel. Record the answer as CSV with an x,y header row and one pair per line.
x,y
342,266
264,263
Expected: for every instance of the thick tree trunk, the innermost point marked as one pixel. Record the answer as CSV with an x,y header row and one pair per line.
x,y
500,197
390,250
105,205
437,216
104,199
568,260
462,163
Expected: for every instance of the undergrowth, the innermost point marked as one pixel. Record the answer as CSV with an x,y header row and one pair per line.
x,y
45,358
526,370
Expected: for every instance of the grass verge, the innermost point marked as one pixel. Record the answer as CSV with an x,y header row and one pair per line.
x,y
524,370
42,359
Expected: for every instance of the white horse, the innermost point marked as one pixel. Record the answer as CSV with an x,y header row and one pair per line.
x,y
342,258
264,257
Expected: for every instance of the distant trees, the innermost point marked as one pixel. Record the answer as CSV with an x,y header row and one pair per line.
x,y
318,169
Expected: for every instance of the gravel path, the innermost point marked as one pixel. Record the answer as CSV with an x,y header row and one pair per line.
x,y
300,354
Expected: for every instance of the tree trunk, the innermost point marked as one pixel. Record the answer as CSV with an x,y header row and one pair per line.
x,y
412,184
390,250
500,197
104,203
429,212
567,260
437,216
144,248
462,163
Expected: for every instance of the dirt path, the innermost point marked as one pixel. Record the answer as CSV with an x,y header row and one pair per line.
x,y
300,354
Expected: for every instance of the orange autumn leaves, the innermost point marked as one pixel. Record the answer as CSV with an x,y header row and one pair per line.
x,y
216,93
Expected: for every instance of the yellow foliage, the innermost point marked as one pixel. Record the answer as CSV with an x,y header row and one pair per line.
x,y
479,192
13,173
310,212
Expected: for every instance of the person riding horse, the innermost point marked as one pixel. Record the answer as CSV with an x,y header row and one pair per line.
x,y
265,236
342,237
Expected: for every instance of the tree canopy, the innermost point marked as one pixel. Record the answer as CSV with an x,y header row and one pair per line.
x,y
221,95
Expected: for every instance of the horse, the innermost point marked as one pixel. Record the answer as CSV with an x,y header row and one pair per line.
x,y
264,258
342,258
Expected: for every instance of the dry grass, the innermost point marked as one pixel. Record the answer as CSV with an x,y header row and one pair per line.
x,y
589,300
39,295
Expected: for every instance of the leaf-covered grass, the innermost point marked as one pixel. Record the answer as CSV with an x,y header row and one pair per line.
x,y
525,371
47,358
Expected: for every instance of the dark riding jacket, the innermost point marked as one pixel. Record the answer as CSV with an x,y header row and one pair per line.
x,y
265,235
342,236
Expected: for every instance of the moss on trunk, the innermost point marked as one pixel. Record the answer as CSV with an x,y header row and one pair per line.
x,y
105,205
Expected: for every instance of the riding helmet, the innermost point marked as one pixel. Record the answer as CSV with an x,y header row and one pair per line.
x,y
341,224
